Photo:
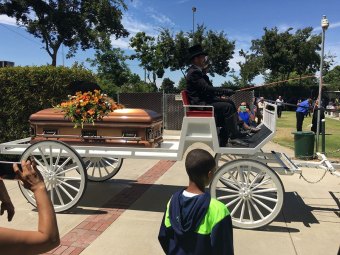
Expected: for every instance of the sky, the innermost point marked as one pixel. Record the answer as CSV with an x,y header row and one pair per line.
x,y
241,20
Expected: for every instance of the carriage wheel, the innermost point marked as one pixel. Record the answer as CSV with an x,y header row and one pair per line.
x,y
102,169
63,171
252,204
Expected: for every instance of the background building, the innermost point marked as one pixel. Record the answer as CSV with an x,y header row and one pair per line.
x,y
6,63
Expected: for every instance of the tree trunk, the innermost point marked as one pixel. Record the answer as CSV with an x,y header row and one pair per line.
x,y
54,58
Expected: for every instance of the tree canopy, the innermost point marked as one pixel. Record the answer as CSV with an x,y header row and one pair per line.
x,y
169,50
333,78
280,54
76,24
168,86
111,66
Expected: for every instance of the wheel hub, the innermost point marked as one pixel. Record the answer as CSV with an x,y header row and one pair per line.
x,y
51,177
245,193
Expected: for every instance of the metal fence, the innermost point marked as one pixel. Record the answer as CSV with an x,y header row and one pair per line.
x,y
170,105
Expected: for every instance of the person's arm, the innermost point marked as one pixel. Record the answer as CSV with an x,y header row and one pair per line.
x,y
251,115
47,236
6,203
222,237
197,78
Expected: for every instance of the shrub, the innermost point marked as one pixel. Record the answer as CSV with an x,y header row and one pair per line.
x,y
26,90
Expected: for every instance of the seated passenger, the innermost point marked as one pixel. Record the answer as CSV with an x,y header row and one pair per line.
x,y
247,118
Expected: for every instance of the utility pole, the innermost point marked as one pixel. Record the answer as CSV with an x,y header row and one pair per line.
x,y
193,21
324,26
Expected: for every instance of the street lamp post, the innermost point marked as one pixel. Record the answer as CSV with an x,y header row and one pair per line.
x,y
324,26
193,20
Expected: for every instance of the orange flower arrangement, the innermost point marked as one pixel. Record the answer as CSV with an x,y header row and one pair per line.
x,y
88,107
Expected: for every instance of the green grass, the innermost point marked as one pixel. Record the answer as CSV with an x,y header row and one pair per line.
x,y
287,124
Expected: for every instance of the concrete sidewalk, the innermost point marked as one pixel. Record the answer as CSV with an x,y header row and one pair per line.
x,y
123,215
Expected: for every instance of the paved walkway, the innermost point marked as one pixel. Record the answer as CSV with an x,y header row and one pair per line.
x,y
122,215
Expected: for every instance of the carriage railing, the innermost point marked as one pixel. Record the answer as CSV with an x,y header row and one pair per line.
x,y
270,116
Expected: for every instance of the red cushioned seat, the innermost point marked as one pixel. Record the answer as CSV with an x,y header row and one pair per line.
x,y
194,113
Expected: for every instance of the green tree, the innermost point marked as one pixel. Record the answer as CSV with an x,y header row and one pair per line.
x,y
171,51
249,69
283,53
111,66
167,86
76,24
219,48
138,87
148,54
333,78
182,84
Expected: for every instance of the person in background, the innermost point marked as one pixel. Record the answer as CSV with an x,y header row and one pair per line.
x,y
31,242
194,222
279,103
260,108
315,117
247,117
6,203
301,111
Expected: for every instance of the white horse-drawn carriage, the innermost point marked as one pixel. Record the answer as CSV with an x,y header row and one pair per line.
x,y
247,179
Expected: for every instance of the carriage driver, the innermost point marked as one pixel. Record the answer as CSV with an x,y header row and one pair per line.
x,y
200,92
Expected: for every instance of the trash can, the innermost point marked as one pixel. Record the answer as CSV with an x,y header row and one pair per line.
x,y
304,144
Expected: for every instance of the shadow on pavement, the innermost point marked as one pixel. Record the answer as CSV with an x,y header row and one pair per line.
x,y
296,210
128,194
270,228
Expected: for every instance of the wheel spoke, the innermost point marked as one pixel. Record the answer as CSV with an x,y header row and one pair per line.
x,y
240,173
228,190
264,190
242,210
255,179
57,160
257,209
69,185
236,207
100,170
40,164
233,201
51,158
247,178
110,164
89,165
93,168
43,156
66,192
250,211
226,197
265,198
63,164
260,184
227,182
263,205
59,196
235,181
52,194
69,178
66,170
100,162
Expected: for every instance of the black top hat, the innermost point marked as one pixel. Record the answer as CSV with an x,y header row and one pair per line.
x,y
196,50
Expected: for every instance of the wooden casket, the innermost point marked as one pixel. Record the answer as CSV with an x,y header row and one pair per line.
x,y
123,127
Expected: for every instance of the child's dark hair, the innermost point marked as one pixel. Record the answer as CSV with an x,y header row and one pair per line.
x,y
198,164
